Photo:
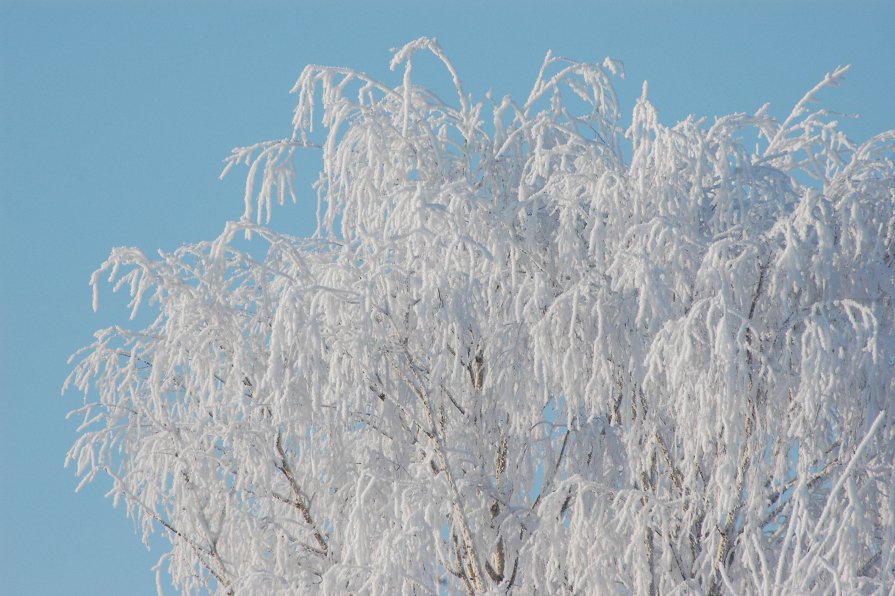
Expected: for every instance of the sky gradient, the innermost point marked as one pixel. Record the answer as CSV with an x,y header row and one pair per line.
x,y
115,118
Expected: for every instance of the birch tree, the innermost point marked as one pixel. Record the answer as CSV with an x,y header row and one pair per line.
x,y
529,349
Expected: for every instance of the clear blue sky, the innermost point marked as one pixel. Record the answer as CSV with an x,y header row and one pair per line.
x,y
115,116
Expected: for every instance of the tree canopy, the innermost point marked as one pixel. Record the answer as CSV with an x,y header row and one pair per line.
x,y
528,349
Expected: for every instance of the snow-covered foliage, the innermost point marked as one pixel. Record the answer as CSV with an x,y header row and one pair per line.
x,y
528,349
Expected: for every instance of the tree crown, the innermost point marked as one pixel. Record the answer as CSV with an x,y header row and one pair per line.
x,y
511,358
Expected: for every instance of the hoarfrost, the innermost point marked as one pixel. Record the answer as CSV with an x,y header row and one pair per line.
x,y
511,360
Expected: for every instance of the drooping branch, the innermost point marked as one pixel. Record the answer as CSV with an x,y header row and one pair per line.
x,y
298,500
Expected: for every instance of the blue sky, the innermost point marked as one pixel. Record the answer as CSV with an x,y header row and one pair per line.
x,y
115,118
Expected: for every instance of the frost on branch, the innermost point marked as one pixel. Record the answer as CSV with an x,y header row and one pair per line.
x,y
513,359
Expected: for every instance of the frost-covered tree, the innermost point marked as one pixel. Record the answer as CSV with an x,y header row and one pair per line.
x,y
527,350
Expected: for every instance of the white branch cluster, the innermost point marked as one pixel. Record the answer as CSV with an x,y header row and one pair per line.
x,y
514,359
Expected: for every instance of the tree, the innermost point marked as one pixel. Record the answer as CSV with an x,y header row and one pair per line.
x,y
512,359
